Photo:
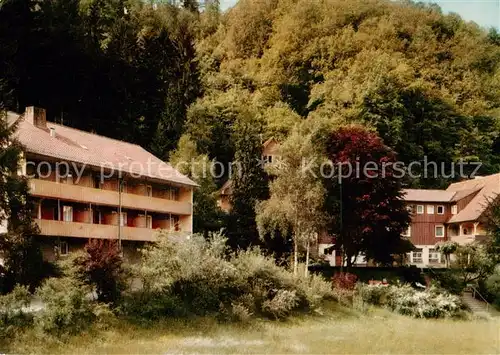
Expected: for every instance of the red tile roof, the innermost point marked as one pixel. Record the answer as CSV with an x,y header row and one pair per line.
x,y
427,195
487,188
82,147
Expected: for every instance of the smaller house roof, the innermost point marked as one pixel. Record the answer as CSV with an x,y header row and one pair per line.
x,y
427,195
487,188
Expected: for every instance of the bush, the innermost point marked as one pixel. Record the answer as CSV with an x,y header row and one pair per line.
x,y
344,280
243,284
12,311
68,307
373,294
101,266
492,286
431,303
450,281
281,304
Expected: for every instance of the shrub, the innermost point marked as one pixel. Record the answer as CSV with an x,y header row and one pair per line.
x,y
431,303
450,281
492,286
281,304
68,308
240,312
241,284
344,280
101,266
373,294
12,311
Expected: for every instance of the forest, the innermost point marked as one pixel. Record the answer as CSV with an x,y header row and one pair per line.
x,y
186,80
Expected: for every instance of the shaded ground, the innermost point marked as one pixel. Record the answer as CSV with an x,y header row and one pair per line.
x,y
337,331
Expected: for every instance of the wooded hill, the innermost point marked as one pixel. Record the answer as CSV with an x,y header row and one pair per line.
x,y
215,85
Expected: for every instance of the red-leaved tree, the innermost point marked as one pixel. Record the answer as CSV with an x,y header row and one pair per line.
x,y
102,267
373,211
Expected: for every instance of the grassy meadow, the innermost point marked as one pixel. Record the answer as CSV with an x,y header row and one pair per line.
x,y
337,330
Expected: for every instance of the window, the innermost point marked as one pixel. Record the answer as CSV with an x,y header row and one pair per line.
x,y
420,209
440,231
67,213
97,182
267,159
440,209
149,222
68,179
434,256
149,190
173,193
417,256
454,209
174,223
123,219
407,232
63,248
430,209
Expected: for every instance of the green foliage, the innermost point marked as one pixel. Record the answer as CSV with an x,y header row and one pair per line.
x,y
13,314
447,248
281,304
472,263
235,286
492,286
427,82
68,307
431,303
23,262
249,183
296,199
492,223
450,281
133,68
207,216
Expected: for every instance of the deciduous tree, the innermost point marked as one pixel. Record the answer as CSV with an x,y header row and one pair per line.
x,y
295,204
364,196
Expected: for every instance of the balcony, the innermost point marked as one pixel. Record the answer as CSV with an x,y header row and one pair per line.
x,y
463,239
88,230
76,193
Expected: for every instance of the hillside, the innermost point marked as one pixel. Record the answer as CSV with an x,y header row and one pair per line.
x,y
427,82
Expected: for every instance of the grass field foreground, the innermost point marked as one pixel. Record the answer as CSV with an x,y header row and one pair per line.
x,y
336,331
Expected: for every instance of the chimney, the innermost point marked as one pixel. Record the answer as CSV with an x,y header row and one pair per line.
x,y
52,131
36,116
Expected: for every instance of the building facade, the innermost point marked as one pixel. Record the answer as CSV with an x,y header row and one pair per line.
x,y
88,186
454,214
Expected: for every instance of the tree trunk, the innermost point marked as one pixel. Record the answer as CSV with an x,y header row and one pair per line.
x,y
295,257
348,261
306,272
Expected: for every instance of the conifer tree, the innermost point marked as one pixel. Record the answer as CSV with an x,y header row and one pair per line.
x,y
22,258
249,182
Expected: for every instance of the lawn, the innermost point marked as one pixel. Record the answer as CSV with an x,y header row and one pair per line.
x,y
336,331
